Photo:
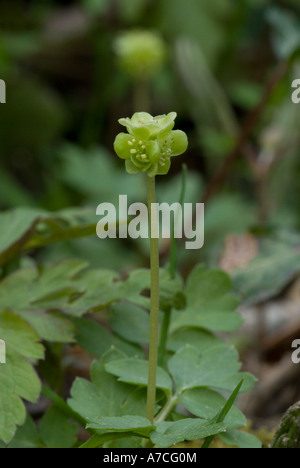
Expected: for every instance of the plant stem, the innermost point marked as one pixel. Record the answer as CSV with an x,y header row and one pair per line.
x,y
164,336
154,308
171,403
141,96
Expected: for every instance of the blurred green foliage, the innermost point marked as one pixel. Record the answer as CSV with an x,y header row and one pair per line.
x,y
224,61
66,91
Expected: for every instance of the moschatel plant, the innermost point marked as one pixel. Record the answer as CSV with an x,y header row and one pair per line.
x,y
162,377
148,147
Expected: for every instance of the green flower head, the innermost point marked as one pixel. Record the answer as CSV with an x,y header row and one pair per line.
x,y
150,143
140,53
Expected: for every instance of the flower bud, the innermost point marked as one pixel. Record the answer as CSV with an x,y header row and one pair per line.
x,y
141,53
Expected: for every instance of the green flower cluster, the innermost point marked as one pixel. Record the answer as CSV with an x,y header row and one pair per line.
x,y
141,53
150,143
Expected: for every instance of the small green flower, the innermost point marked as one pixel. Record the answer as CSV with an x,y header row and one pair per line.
x,y
143,125
141,53
150,143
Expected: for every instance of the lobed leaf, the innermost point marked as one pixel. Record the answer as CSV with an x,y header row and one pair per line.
x,y
135,371
17,380
217,367
185,429
135,424
270,272
206,403
210,303
104,396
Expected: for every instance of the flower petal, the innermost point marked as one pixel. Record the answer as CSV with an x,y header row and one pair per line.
x,y
142,133
141,118
153,150
122,146
177,141
166,123
153,170
136,162
163,170
131,168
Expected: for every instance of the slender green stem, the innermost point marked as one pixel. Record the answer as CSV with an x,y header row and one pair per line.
x,y
164,336
167,409
154,308
141,96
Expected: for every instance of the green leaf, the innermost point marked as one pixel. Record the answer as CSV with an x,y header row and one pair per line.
x,y
135,371
171,291
224,411
27,436
240,439
22,377
229,403
16,229
28,289
217,367
135,424
104,396
101,288
185,429
56,430
17,380
270,272
69,287
92,336
17,377
210,303
98,289
97,340
131,322
63,226
50,326
14,413
19,336
205,403
199,339
26,228
97,440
